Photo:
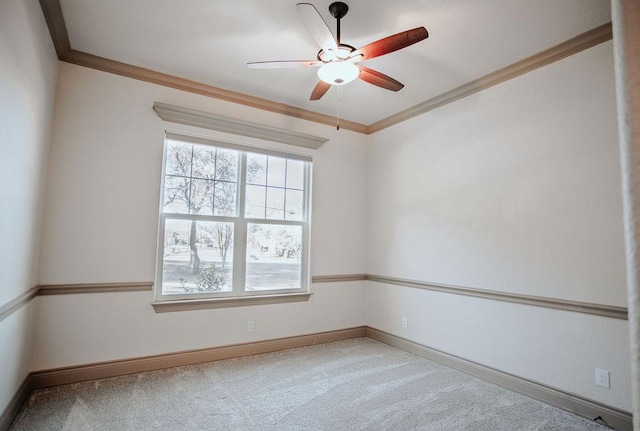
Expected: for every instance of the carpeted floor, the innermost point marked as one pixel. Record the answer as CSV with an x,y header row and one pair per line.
x,y
356,384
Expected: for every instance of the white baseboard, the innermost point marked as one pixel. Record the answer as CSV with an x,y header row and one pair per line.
x,y
615,418
102,370
14,406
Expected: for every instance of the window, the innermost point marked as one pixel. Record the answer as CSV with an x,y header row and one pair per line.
x,y
233,221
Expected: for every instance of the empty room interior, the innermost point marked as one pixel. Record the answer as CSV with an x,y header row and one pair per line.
x,y
410,207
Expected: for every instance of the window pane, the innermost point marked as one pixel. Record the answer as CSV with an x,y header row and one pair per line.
x,y
275,203
202,182
276,171
178,158
273,257
225,199
255,202
176,194
201,201
204,161
295,174
198,257
294,205
256,169
227,165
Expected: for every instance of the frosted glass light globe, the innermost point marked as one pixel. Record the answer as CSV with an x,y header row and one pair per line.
x,y
338,72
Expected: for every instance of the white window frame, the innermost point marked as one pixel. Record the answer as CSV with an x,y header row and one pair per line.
x,y
240,226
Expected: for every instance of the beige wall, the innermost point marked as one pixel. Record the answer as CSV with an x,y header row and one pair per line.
x,y
513,189
102,215
28,73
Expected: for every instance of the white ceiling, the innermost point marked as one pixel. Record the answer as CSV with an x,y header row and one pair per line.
x,y
210,41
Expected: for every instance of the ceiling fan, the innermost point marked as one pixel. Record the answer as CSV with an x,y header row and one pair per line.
x,y
339,62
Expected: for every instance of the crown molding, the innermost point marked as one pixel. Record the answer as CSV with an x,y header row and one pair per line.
x,y
572,46
148,75
55,20
52,11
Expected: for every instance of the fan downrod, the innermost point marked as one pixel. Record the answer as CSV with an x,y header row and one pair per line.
x,y
338,9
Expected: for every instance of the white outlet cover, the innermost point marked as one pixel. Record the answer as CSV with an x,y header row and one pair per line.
x,y
602,378
404,322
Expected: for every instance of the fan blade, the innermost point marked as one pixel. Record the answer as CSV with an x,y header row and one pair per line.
x,y
287,64
320,89
380,79
391,43
317,27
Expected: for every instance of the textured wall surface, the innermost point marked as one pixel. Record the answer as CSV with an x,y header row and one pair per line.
x,y
102,221
514,189
28,74
626,33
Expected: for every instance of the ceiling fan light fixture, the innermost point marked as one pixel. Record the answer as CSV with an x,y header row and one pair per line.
x,y
336,60
338,72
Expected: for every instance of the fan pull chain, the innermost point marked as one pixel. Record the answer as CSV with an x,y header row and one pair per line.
x,y
338,107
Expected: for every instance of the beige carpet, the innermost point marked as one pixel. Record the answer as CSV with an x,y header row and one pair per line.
x,y
357,384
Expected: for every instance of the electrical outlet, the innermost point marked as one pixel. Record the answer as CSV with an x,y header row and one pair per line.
x,y
602,378
250,326
404,322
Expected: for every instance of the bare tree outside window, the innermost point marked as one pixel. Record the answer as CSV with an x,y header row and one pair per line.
x,y
202,180
202,195
222,236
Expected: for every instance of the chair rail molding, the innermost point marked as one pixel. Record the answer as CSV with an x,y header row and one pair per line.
x,y
605,310
15,304
537,301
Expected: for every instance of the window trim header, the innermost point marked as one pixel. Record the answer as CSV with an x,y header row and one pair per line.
x,y
188,139
205,120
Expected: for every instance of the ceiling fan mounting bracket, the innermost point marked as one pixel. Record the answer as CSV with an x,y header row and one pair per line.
x,y
338,9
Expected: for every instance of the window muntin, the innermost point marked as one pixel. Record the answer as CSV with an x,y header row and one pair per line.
x,y
200,179
232,222
275,188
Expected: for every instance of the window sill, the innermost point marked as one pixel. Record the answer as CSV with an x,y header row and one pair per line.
x,y
238,301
